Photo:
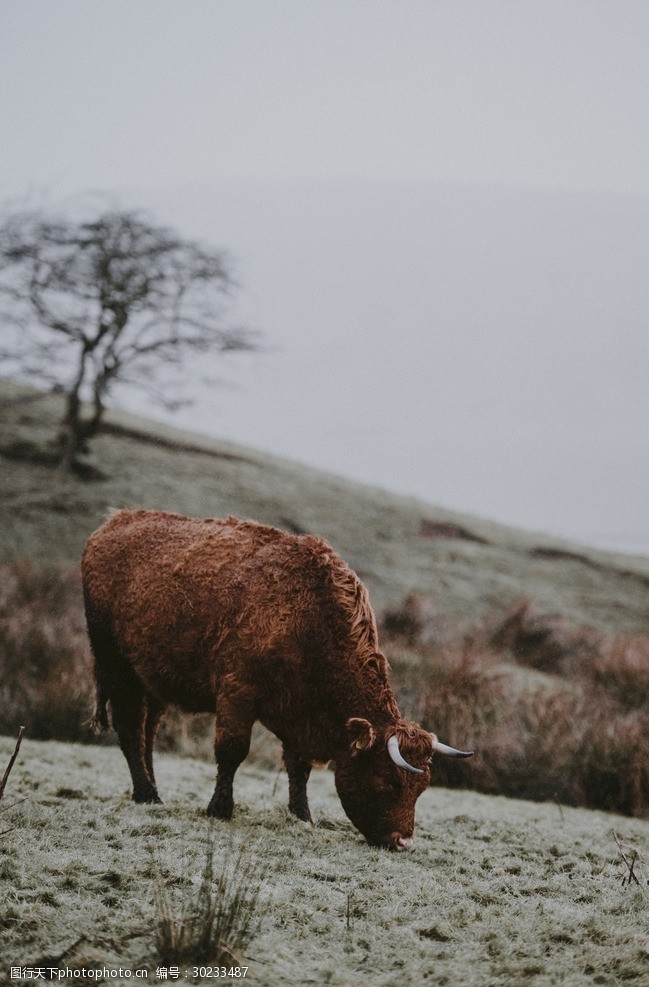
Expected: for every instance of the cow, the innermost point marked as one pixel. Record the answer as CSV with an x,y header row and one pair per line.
x,y
251,623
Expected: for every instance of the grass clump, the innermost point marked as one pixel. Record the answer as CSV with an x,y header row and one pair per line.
x,y
215,922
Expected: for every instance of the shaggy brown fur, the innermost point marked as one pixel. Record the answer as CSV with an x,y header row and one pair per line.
x,y
251,623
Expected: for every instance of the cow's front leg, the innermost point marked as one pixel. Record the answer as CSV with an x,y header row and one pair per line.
x,y
298,776
235,716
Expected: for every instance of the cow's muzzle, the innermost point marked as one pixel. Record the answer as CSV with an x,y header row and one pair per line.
x,y
399,842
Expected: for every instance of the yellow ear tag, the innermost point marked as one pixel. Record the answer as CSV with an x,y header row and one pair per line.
x,y
358,745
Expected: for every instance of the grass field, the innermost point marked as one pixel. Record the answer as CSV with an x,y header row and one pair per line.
x,y
495,892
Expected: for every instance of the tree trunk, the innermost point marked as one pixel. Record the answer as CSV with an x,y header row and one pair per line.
x,y
75,430
70,432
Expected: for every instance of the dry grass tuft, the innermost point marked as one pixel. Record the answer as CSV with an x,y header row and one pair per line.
x,y
634,865
215,923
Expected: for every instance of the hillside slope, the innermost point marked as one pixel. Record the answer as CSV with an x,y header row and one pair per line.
x,y
466,565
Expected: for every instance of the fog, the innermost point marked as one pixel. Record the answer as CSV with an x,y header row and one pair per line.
x,y
438,214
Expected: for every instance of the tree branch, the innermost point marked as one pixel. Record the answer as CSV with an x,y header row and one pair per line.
x,y
12,760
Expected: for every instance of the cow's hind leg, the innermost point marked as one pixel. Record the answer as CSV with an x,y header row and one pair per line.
x,y
129,710
298,776
235,716
116,683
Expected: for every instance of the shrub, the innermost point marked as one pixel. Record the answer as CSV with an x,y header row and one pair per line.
x,y
582,740
541,641
620,667
612,762
45,680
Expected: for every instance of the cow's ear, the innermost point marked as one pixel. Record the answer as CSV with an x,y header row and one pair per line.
x,y
361,733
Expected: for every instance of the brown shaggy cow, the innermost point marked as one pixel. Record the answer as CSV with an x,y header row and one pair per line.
x,y
247,621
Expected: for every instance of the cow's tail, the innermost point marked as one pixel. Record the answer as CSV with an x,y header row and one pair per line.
x,y
97,646
100,719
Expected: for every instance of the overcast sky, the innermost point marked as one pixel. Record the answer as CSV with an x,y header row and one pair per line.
x,y
439,213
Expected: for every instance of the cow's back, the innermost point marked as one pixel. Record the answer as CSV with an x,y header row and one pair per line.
x,y
185,599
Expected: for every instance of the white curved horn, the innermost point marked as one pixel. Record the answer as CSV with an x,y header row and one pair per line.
x,y
444,749
395,754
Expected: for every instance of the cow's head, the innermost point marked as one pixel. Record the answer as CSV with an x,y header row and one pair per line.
x,y
380,776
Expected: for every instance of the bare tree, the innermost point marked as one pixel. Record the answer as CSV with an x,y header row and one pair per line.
x,y
114,299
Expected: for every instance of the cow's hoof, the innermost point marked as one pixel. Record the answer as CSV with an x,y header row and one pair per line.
x,y
220,809
303,814
147,798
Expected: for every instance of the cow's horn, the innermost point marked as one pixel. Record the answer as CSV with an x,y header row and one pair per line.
x,y
395,754
444,749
